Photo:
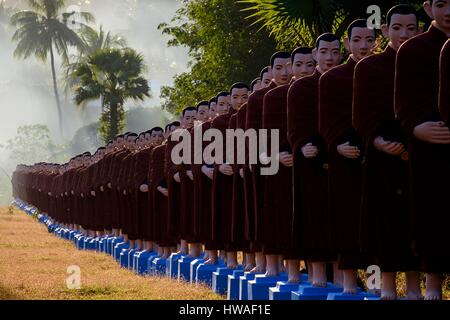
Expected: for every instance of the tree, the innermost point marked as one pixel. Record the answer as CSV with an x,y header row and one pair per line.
x,y
33,144
223,49
45,29
300,22
114,75
93,41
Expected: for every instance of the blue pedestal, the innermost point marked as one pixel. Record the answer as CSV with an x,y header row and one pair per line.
x,y
92,245
352,297
184,268
233,285
150,266
283,289
130,258
172,270
142,261
80,242
193,269
258,289
205,271
118,250
124,257
220,279
159,266
308,292
243,284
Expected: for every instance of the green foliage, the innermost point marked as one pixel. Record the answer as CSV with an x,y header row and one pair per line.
x,y
93,41
113,75
223,49
301,22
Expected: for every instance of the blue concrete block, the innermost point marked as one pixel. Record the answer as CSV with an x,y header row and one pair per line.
x,y
233,285
220,279
258,289
205,271
193,269
130,258
142,261
118,249
172,270
309,292
184,268
159,266
352,297
283,289
150,266
243,284
124,257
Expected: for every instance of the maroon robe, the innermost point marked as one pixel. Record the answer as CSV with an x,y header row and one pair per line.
x,y
202,200
278,188
142,199
249,218
344,175
238,202
222,194
444,92
117,204
174,189
160,211
310,222
254,121
385,211
416,102
187,213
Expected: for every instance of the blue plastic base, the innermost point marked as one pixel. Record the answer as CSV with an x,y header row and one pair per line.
x,y
220,279
193,269
308,292
283,289
184,268
118,249
258,289
124,257
205,272
159,266
150,266
172,270
233,285
141,264
352,297
243,284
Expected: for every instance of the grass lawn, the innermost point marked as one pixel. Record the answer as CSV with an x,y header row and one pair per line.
x,y
33,265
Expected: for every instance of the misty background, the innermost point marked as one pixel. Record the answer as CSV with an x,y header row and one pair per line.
x,y
26,93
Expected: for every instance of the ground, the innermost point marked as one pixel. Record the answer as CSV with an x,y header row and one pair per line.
x,y
33,265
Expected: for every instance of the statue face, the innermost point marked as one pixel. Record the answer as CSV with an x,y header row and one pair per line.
x,y
257,86
238,97
440,12
157,137
362,43
402,28
266,79
303,66
203,113
223,105
187,121
328,55
212,110
282,71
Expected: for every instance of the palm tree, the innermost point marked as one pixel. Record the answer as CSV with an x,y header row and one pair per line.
x,y
300,22
115,75
46,28
93,41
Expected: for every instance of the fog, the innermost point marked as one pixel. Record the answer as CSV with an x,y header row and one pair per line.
x,y
26,92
